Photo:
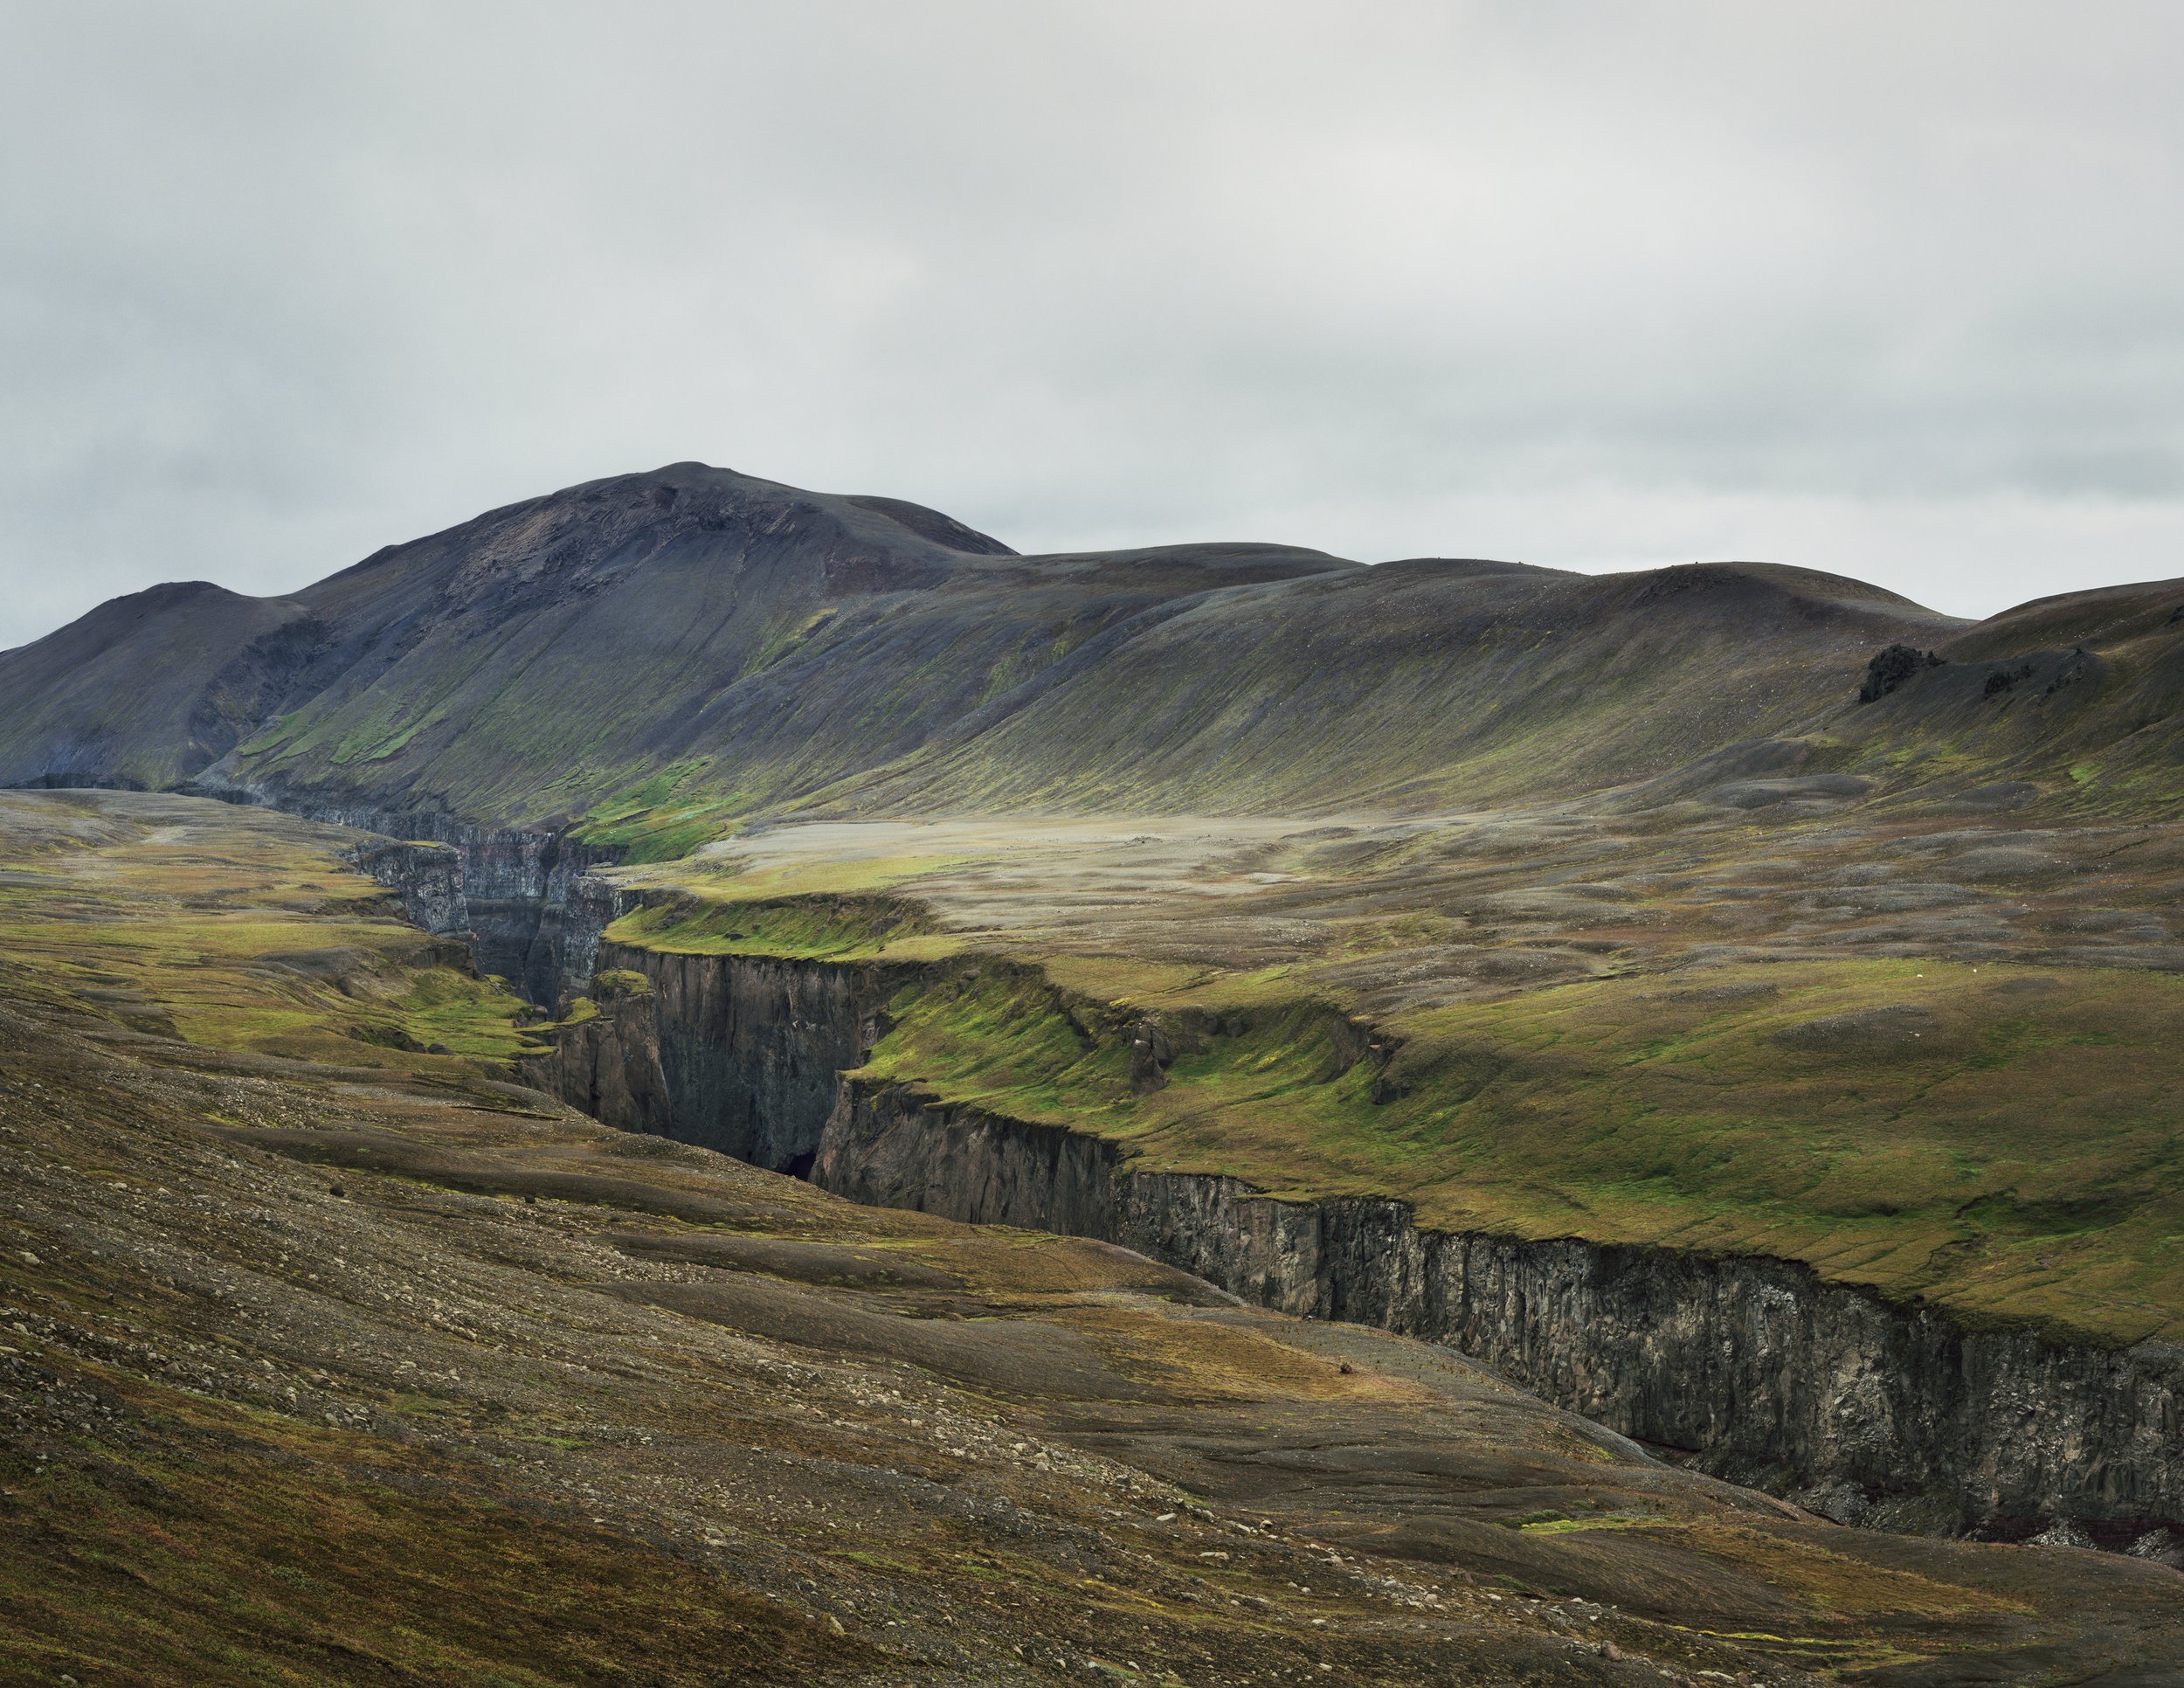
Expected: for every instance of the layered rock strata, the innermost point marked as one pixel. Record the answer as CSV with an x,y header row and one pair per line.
x,y
527,900
605,1059
1868,1411
428,878
751,1048
1754,1368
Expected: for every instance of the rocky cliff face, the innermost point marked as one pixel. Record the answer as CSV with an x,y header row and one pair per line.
x,y
891,1147
605,1060
1762,1372
751,1048
738,1054
429,879
525,900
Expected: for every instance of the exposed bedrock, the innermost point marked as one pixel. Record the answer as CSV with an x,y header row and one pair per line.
x,y
1870,1412
428,878
605,1060
527,900
751,1048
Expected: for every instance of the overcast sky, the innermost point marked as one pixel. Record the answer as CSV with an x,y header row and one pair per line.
x,y
1892,290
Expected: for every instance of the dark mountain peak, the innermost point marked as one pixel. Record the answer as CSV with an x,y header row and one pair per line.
x,y
168,593
120,695
581,540
1772,593
933,525
191,598
1466,568
183,609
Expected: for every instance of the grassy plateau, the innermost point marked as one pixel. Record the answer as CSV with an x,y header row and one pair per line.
x,y
1938,1056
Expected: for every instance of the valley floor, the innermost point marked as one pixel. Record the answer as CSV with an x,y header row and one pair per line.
x,y
331,1354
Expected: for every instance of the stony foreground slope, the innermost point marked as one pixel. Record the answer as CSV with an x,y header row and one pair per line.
x,y
331,1358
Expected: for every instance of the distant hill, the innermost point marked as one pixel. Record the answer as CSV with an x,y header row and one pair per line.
x,y
653,656
146,689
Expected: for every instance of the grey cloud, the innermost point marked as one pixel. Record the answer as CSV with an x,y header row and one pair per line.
x,y
1898,291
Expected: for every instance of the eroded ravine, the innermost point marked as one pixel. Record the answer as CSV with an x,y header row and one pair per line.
x,y
1757,1369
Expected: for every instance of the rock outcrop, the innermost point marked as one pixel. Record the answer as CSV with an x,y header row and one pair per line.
x,y
527,900
605,1057
1757,1369
429,879
750,1047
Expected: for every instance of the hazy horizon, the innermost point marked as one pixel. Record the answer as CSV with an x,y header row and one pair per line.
x,y
1893,295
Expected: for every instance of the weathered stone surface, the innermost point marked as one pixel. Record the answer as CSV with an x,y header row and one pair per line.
x,y
608,1065
429,878
750,1047
1763,1373
527,900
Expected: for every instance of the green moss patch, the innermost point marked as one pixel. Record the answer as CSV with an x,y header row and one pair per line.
x,y
1914,1127
808,927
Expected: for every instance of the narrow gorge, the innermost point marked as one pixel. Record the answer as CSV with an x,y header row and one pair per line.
x,y
1752,1368
525,901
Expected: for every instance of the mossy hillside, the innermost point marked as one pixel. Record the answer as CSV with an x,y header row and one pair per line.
x,y
1416,685
730,879
804,928
660,656
423,1446
311,1380
1520,962
647,821
1967,1135
197,1540
754,644
249,934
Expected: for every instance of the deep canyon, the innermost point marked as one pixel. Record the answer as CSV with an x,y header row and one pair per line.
x,y
1537,1098
1750,1368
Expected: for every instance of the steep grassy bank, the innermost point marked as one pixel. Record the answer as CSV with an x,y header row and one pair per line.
x,y
1965,1137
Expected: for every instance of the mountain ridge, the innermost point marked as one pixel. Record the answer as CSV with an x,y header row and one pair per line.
x,y
656,656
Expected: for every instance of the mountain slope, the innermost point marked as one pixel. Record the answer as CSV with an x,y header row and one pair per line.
x,y
653,656
146,689
529,663
1426,682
